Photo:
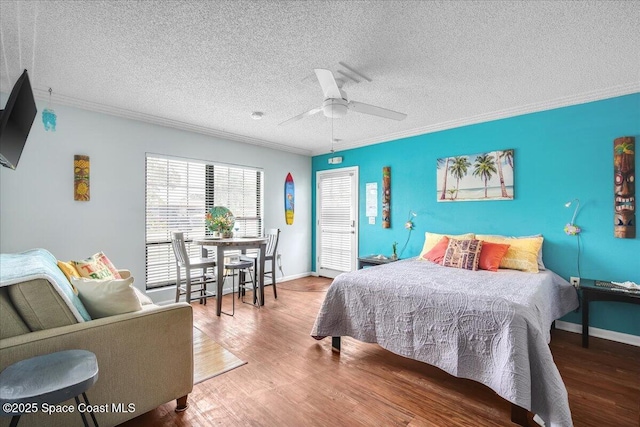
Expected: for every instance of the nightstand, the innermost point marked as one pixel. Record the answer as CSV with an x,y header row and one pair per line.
x,y
600,292
370,261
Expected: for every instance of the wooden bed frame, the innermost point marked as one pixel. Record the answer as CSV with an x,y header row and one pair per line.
x,y
519,415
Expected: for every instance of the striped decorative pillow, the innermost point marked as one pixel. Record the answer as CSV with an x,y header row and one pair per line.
x,y
463,254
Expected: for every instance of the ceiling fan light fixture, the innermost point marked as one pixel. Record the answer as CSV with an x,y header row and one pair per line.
x,y
334,108
336,103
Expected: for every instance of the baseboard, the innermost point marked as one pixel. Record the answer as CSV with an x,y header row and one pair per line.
x,y
600,333
166,296
292,277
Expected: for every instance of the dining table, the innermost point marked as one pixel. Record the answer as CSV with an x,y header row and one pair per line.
x,y
235,244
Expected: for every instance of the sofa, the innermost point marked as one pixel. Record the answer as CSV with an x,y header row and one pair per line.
x,y
145,357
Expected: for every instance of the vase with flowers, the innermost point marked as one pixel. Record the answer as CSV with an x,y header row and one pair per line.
x,y
220,220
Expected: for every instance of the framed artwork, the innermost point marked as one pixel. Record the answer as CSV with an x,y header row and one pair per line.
x,y
475,177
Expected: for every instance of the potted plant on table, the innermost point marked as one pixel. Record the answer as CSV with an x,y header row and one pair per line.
x,y
394,247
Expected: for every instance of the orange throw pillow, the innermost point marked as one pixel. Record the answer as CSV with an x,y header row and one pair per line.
x,y
436,254
491,255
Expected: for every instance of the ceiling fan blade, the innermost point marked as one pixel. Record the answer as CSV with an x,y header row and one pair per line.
x,y
375,111
328,83
301,116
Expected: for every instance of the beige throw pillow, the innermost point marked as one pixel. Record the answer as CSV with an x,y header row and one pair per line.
x,y
432,239
144,299
107,297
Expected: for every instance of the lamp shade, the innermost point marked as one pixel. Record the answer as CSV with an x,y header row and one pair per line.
x,y
571,228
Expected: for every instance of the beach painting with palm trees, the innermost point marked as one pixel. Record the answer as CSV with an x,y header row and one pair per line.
x,y
476,177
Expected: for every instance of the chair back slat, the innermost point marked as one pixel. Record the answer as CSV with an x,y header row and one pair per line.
x,y
273,235
179,248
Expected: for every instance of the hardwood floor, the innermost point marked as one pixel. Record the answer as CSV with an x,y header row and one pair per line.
x,y
293,380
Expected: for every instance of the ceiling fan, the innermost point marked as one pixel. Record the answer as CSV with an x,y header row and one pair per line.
x,y
336,103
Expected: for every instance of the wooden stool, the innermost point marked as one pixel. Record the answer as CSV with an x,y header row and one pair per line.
x,y
51,379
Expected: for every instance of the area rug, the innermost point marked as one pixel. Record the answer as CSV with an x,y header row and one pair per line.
x,y
210,359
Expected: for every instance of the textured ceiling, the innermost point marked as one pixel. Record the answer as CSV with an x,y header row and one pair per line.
x,y
205,66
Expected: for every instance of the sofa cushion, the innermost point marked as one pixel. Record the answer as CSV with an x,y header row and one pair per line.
x,y
39,305
11,324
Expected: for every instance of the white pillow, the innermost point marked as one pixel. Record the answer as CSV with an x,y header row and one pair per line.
x,y
107,297
144,299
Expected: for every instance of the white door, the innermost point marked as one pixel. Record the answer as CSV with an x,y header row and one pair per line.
x,y
337,221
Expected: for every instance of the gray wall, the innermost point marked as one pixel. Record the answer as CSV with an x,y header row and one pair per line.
x,y
36,200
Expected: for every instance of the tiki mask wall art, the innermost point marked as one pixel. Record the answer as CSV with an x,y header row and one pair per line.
x,y
386,197
81,178
624,176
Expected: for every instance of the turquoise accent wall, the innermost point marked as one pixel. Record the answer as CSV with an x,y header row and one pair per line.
x,y
560,155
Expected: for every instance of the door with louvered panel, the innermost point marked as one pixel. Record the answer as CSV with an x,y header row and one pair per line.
x,y
337,221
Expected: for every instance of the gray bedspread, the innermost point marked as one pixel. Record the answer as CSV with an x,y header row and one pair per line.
x,y
491,327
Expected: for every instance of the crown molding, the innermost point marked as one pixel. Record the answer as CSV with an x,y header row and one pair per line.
x,y
567,101
596,95
43,95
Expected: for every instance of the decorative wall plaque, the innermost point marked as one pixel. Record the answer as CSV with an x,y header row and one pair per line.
x,y
386,197
624,187
81,178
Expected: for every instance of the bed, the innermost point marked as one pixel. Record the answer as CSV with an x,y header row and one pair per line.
x,y
491,327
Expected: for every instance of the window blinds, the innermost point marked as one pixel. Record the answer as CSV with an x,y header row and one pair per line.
x,y
178,194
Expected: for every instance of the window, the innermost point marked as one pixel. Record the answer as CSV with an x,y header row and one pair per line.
x,y
178,194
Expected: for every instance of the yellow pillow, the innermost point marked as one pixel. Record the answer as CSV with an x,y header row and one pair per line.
x,y
432,239
70,271
522,253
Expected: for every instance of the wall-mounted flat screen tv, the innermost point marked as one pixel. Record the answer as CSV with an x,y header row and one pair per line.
x,y
15,121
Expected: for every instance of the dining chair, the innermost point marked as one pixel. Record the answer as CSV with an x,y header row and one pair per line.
x,y
184,261
273,236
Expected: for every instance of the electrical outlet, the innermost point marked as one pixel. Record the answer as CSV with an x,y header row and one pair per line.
x,y
575,281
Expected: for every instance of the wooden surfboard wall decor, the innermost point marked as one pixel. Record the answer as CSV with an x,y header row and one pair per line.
x,y
289,198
